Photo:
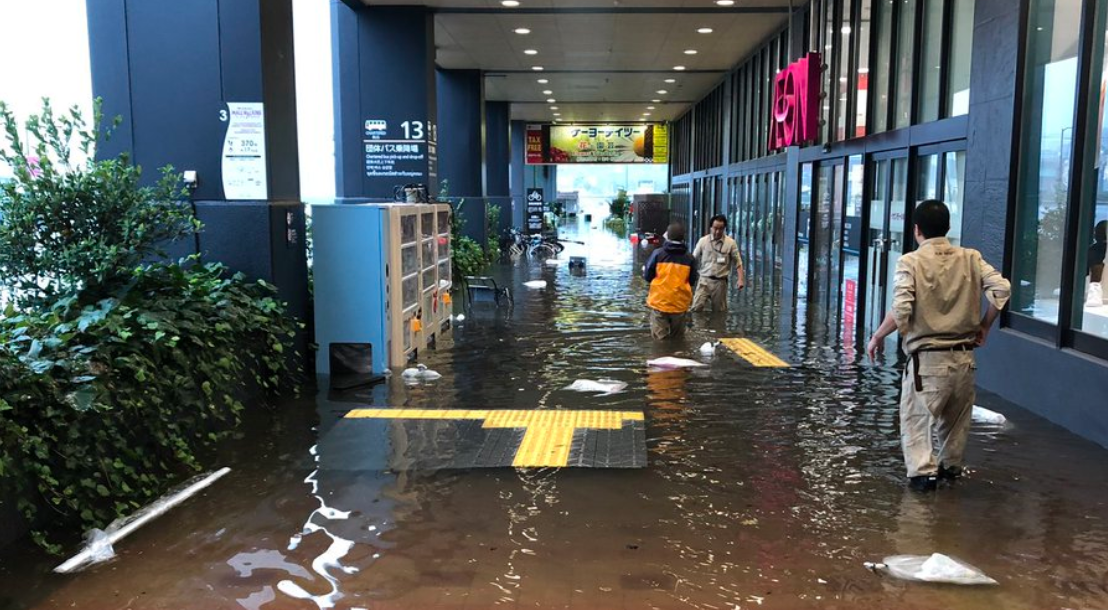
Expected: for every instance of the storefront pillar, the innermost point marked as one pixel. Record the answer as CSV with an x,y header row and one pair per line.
x,y
461,106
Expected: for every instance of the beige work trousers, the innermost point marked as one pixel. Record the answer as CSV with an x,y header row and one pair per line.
x,y
710,291
942,409
667,325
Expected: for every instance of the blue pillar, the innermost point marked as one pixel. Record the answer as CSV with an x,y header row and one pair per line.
x,y
498,157
175,73
385,107
518,169
461,104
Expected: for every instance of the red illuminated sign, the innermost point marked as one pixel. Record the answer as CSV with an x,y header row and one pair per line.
x,y
795,103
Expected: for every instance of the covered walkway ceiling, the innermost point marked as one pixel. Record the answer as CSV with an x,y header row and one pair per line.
x,y
602,60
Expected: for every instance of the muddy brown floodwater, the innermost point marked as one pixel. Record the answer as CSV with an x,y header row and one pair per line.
x,y
766,488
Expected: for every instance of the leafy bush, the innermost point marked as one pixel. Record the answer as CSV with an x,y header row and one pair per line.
x,y
71,227
115,371
618,207
492,230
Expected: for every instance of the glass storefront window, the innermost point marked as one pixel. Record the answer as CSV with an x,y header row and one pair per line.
x,y
804,232
828,57
844,123
878,80
861,91
905,33
1090,313
1042,197
931,63
961,46
954,179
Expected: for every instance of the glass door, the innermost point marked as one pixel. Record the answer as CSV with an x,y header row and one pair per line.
x,y
886,240
851,251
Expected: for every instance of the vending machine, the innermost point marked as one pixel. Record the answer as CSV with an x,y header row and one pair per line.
x,y
379,280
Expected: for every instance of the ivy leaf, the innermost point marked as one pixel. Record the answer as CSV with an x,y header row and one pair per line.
x,y
83,398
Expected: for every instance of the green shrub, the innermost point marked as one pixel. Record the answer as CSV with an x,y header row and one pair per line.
x,y
115,371
618,207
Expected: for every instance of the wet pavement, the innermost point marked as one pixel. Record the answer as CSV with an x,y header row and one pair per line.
x,y
764,487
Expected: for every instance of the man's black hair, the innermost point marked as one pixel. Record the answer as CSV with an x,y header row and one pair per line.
x,y
1100,231
933,218
676,232
720,218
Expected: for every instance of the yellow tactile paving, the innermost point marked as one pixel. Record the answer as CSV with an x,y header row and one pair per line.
x,y
753,353
548,434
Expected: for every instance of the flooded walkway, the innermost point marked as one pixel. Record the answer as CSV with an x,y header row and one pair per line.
x,y
763,488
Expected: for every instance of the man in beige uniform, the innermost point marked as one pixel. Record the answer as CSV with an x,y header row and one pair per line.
x,y
716,255
937,311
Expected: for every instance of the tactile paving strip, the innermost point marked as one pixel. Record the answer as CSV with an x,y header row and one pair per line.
x,y
753,353
587,439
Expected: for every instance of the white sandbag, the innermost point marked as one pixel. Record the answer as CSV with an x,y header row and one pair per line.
x,y
419,373
669,362
982,415
935,567
708,349
604,386
535,284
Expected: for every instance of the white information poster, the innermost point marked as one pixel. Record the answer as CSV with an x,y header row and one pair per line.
x,y
244,152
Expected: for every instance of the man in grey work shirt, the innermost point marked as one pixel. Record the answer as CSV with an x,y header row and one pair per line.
x,y
716,255
937,311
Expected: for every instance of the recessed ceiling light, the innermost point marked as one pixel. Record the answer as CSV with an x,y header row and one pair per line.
x,y
671,80
646,114
537,68
530,52
522,31
678,68
656,101
704,31
551,101
547,92
510,3
650,108
719,2
553,107
662,92
557,114
543,81
690,51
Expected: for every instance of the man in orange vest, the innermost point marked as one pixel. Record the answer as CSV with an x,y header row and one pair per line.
x,y
671,272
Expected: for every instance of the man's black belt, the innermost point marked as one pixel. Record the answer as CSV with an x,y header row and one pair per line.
x,y
716,278
960,347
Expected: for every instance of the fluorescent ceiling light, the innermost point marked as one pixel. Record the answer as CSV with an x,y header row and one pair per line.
x,y
662,92
671,80
704,31
537,68
690,51
543,81
679,68
509,3
522,31
530,52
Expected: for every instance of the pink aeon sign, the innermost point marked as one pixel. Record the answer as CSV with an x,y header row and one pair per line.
x,y
795,103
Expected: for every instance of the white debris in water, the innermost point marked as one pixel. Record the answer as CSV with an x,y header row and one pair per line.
x,y
982,415
553,262
603,386
535,284
709,348
460,317
419,373
669,362
935,567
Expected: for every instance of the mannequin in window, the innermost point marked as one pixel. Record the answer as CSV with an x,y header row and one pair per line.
x,y
1096,254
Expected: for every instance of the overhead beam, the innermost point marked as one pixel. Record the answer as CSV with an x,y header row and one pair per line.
x,y
630,10
635,102
570,71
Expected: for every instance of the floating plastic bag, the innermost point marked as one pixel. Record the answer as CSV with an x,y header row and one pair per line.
x,y
708,349
419,373
932,568
552,262
604,386
460,317
669,362
982,415
535,284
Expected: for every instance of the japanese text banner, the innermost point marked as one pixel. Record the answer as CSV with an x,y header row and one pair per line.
x,y
597,144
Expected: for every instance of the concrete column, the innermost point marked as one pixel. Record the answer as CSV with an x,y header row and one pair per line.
x,y
172,71
498,158
461,103
386,117
518,170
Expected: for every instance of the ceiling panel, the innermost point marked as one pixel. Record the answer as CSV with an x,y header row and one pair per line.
x,y
610,63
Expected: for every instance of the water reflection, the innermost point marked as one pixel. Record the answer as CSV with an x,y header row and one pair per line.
x,y
765,487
